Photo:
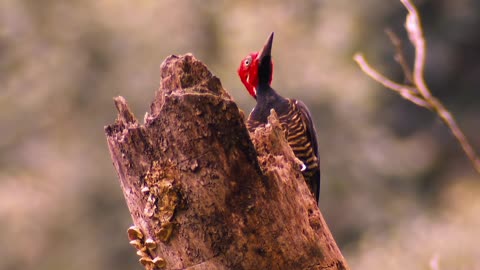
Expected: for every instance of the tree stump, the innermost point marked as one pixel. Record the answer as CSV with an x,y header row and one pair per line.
x,y
204,193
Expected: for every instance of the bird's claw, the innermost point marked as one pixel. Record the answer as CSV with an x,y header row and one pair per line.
x,y
303,167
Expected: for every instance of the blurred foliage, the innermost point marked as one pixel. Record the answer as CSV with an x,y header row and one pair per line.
x,y
397,189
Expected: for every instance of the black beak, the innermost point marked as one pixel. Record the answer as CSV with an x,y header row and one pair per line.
x,y
267,48
265,64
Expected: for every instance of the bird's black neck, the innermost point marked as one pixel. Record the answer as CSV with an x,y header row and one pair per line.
x,y
267,95
265,72
267,99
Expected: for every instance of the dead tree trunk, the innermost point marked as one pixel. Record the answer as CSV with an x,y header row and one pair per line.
x,y
202,194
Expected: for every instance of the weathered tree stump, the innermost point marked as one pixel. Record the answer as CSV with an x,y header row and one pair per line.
x,y
202,195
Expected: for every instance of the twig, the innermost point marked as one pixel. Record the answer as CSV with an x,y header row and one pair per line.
x,y
400,55
407,92
415,33
420,94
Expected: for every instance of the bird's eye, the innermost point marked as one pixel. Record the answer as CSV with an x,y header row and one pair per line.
x,y
247,61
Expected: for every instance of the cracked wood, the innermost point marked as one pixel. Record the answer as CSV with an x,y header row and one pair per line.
x,y
208,193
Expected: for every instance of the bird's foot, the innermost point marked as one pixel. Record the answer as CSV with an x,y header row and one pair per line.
x,y
303,167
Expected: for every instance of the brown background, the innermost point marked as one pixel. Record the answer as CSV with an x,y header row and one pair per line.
x,y
397,189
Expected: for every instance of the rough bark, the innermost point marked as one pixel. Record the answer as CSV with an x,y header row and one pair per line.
x,y
204,195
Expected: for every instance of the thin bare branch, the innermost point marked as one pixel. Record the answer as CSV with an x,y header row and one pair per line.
x,y
415,34
420,94
405,91
400,55
449,120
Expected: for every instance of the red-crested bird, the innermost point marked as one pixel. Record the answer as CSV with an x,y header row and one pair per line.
x,y
256,72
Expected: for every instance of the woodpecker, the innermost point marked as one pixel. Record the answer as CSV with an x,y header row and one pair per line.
x,y
256,73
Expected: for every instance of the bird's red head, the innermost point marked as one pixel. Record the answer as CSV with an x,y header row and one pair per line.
x,y
248,70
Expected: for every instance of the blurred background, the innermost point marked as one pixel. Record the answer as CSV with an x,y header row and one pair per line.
x,y
397,190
